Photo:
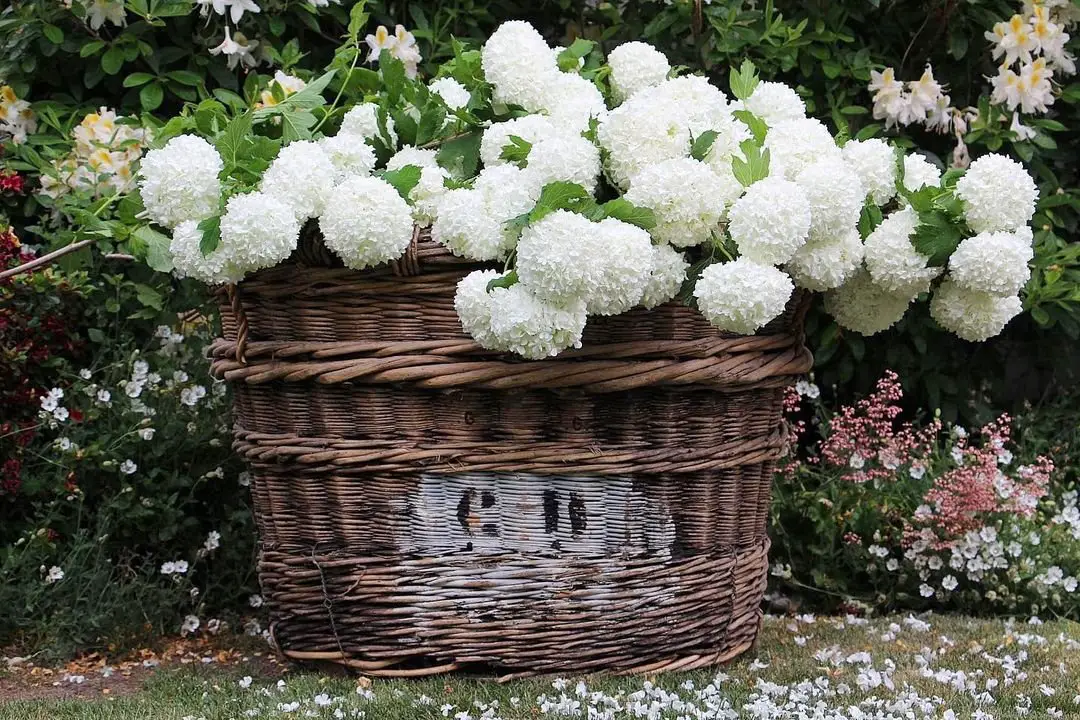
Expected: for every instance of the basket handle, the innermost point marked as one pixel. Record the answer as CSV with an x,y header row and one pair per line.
x,y
408,264
237,307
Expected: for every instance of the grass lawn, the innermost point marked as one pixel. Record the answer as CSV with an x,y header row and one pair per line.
x,y
938,667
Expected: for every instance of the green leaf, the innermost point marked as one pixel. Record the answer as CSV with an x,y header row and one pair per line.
x,y
233,138
54,34
95,335
460,156
869,219
745,81
702,144
358,20
403,179
151,96
757,126
393,74
432,118
185,77
211,235
936,237
137,79
622,209
508,280
516,151
311,96
158,256
297,125
568,58
91,48
112,60
558,196
148,296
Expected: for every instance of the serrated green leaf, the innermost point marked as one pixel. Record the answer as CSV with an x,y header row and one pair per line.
x,y
702,144
936,237
516,151
432,118
211,235
460,156
558,196
757,126
744,81
741,169
568,59
157,256
148,296
508,280
869,218
403,179
358,20
393,75
622,209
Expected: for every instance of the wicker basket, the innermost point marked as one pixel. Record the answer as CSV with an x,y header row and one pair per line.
x,y
424,505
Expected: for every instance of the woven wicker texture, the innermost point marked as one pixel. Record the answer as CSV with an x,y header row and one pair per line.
x,y
425,505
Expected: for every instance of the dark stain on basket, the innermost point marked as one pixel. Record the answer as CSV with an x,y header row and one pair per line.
x,y
576,508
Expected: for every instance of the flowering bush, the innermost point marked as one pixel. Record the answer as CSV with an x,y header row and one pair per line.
x,y
574,210
896,514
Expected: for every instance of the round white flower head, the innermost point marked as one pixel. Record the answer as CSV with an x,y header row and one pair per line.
x,y
530,128
519,65
301,176
453,93
569,158
771,221
636,66
366,222
972,315
464,225
836,195
995,263
687,197
349,154
919,172
572,101
742,296
699,104
998,194
624,262
892,261
863,307
875,162
794,144
524,324
180,181
821,265
558,257
409,155
258,230
640,133
473,305
188,260
363,121
775,102
666,276
508,191
428,194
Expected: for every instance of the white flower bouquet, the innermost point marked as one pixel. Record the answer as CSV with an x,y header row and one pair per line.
x,y
592,188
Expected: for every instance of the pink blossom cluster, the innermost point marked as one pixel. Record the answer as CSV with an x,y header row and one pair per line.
x,y
865,441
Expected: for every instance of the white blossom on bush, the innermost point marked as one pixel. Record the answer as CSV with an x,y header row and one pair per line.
x,y
366,222
742,296
179,182
771,221
301,176
864,307
998,194
891,258
636,66
972,315
534,329
994,263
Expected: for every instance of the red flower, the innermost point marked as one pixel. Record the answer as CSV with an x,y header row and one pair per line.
x,y
76,416
11,181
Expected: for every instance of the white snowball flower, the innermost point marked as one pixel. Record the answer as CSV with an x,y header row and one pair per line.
x,y
349,154
995,263
464,226
572,101
875,162
530,128
363,121
366,222
624,262
666,276
188,260
473,305
821,265
972,315
640,133
836,195
409,155
519,65
301,176
524,324
771,221
507,190
892,261
998,194
794,144
687,197
453,93
919,173
863,307
775,102
258,230
564,157
699,104
742,296
557,257
636,66
180,181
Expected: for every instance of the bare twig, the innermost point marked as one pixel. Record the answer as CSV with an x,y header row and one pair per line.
x,y
44,259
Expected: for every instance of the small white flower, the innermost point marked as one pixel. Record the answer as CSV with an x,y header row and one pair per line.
x,y
147,433
949,583
191,624
926,591
213,541
54,575
255,601
104,396
453,93
245,682
128,467
84,374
